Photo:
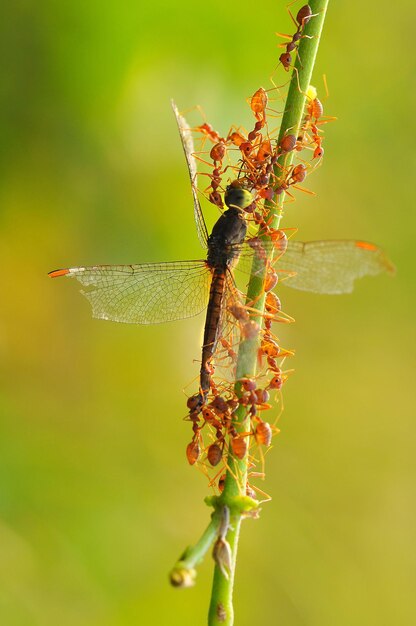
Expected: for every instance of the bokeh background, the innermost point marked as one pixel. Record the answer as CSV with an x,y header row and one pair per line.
x,y
96,498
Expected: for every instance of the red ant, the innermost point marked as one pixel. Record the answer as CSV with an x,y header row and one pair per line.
x,y
207,130
302,18
313,119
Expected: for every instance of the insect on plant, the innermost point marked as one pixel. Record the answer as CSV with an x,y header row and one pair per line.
x,y
150,293
243,364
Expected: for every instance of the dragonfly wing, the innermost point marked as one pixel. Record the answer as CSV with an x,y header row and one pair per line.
x,y
149,293
256,249
331,267
188,148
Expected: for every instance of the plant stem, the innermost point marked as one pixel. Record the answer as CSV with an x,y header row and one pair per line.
x,y
221,611
183,573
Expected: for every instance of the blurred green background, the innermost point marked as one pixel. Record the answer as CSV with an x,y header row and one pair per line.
x,y
96,498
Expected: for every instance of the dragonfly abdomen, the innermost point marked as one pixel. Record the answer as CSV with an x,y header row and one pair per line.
x,y
212,326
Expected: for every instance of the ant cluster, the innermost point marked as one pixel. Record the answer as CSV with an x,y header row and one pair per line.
x,y
257,163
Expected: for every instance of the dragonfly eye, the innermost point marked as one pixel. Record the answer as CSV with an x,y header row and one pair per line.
x,y
237,197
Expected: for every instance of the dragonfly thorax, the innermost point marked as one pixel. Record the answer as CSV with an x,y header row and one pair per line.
x,y
228,231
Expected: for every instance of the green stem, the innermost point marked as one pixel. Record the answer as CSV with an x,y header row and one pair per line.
x,y
221,611
183,573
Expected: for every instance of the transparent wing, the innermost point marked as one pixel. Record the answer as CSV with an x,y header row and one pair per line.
x,y
331,266
255,248
188,148
326,267
149,293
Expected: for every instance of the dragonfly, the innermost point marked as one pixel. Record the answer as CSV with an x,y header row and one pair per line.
x,y
151,293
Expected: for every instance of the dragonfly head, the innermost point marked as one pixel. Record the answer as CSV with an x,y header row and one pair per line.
x,y
236,196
